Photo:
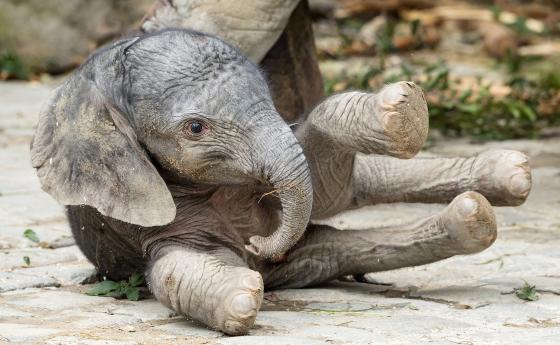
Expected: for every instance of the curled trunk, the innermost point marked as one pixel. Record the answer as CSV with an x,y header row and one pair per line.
x,y
285,167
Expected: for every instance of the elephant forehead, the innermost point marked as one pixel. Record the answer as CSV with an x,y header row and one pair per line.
x,y
182,54
228,97
184,75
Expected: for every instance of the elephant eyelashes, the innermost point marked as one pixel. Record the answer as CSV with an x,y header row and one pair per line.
x,y
195,129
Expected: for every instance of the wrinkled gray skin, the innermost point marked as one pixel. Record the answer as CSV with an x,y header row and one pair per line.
x,y
209,218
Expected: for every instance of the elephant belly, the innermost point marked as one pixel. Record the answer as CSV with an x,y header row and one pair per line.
x,y
226,219
115,256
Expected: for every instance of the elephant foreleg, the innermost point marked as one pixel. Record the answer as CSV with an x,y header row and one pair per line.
x,y
502,176
214,288
466,226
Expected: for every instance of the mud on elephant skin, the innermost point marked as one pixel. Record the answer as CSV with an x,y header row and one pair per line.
x,y
172,159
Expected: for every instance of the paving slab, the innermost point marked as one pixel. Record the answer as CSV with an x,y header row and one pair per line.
x,y
461,300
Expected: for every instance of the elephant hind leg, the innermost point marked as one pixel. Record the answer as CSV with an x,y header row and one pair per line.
x,y
466,226
393,121
502,176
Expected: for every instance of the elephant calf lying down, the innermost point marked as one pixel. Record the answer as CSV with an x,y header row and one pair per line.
x,y
172,160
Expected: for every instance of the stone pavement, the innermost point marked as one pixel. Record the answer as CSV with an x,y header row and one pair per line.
x,y
462,300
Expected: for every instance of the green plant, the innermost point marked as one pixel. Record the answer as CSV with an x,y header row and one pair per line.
x,y
527,293
384,40
11,66
27,260
31,235
549,80
351,23
129,289
437,77
362,82
415,26
520,26
328,85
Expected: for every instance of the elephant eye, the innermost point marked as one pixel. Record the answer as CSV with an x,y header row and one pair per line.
x,y
195,128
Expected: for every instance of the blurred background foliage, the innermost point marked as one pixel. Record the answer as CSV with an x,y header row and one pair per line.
x,y
489,68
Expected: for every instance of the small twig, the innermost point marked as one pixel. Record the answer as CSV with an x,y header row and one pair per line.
x,y
267,194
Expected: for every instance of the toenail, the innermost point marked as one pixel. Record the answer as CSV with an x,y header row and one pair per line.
x,y
243,305
520,184
518,159
466,207
393,94
231,324
251,282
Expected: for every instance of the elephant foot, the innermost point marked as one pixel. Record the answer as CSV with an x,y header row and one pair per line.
x,y
470,224
403,113
503,176
241,305
204,288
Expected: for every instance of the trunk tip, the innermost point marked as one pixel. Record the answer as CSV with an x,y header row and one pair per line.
x,y
258,247
252,249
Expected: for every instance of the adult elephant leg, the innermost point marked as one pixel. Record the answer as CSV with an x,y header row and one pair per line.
x,y
502,176
252,26
215,288
466,226
292,69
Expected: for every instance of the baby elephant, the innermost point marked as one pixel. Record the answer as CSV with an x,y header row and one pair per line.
x,y
173,161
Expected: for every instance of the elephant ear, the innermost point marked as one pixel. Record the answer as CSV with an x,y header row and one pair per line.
x,y
86,153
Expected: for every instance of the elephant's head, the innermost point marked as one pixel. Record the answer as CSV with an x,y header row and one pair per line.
x,y
181,101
